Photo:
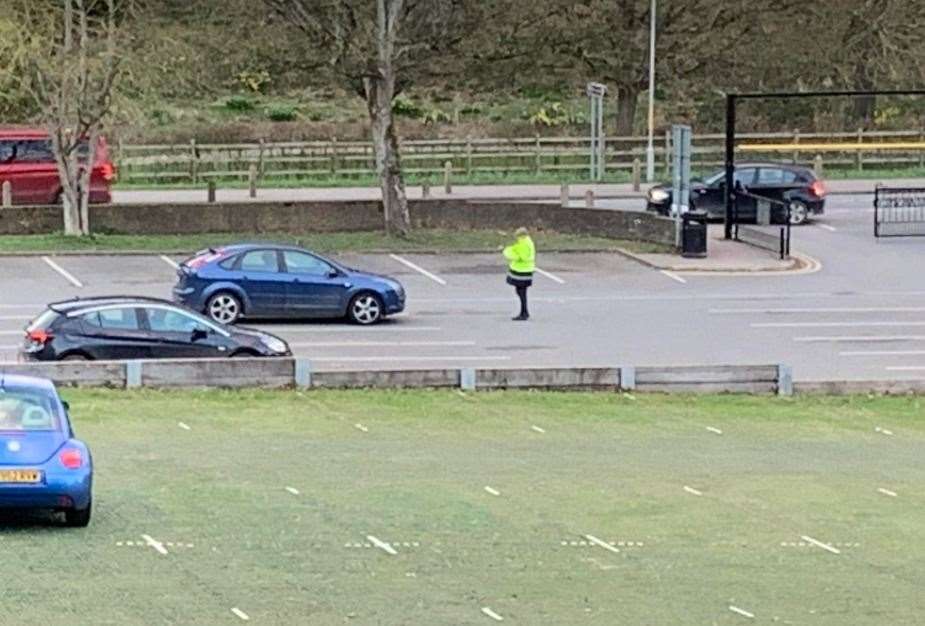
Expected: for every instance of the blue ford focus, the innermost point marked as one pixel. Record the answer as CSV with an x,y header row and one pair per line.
x,y
273,281
42,464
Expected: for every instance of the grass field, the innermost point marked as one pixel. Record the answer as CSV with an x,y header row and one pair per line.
x,y
411,469
420,240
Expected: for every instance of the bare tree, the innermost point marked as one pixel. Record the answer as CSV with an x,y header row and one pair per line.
x,y
377,49
70,72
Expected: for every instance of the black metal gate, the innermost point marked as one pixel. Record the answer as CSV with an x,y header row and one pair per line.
x,y
899,211
771,230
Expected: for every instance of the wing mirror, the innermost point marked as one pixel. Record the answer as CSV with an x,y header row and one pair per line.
x,y
199,334
333,273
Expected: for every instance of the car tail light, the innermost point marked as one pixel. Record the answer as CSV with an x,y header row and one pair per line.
x,y
71,458
39,336
106,170
817,188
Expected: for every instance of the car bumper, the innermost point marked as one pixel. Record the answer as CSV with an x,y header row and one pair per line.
x,y
188,297
59,491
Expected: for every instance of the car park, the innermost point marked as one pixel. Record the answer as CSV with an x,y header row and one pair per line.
x,y
27,162
42,464
788,186
274,281
115,328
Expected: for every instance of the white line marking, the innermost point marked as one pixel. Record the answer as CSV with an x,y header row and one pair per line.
x,y
674,276
884,353
380,328
493,492
887,492
819,544
292,490
381,545
550,276
741,612
382,344
910,309
692,490
859,339
183,426
16,318
166,259
68,276
601,543
239,613
157,545
8,333
831,229
418,268
538,429
906,368
361,427
363,359
883,431
834,324
714,430
487,611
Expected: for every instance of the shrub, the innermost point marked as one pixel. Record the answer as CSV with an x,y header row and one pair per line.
x,y
404,107
282,113
240,104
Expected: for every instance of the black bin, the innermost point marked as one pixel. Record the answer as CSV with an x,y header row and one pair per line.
x,y
694,234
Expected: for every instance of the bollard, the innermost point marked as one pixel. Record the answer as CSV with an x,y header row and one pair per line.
x,y
211,192
252,180
817,165
637,174
425,191
589,199
563,194
447,173
7,194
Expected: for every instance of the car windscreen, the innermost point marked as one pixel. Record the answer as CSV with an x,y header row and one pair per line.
x,y
24,409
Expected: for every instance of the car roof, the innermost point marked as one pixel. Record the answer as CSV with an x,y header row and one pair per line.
x,y
66,306
776,164
22,132
16,380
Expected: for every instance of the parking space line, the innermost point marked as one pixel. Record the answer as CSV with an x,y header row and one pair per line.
x,y
820,544
361,359
860,339
241,614
382,344
418,268
67,275
382,328
901,309
157,545
674,276
831,229
904,368
15,318
549,275
10,333
166,259
834,324
884,353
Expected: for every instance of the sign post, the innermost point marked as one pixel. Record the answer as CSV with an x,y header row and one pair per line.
x,y
681,176
596,93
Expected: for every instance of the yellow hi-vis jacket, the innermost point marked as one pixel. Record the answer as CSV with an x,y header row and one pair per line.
x,y
521,255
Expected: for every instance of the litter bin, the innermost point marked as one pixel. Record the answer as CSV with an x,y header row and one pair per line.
x,y
694,234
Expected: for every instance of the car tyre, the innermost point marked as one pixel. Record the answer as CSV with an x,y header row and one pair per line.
x,y
78,518
224,308
365,309
799,213
76,356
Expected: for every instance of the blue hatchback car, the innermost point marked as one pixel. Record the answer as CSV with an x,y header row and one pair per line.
x,y
42,465
274,281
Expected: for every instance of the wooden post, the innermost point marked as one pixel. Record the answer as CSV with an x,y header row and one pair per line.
x,y
210,195
817,166
6,194
667,152
637,174
468,157
538,160
252,180
333,156
193,161
589,199
921,152
796,152
260,166
563,194
447,174
858,157
425,191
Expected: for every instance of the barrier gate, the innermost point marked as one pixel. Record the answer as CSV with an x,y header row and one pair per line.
x,y
899,211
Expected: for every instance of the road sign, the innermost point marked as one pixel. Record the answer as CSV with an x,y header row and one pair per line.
x,y
681,175
596,93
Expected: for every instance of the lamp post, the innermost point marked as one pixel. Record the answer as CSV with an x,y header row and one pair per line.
x,y
650,148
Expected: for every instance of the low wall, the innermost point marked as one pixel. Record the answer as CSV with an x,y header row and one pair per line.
x,y
314,217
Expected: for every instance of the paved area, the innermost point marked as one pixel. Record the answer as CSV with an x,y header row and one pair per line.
x,y
860,316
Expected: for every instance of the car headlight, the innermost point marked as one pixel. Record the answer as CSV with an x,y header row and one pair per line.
x,y
658,195
274,345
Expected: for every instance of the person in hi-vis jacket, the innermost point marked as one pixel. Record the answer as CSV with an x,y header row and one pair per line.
x,y
521,256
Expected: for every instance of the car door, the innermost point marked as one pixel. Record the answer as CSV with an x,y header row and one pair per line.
x,y
775,183
178,335
258,273
7,154
314,287
115,333
35,174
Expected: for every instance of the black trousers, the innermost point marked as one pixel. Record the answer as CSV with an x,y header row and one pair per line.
x,y
522,294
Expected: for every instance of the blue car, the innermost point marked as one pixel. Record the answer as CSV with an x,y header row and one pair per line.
x,y
273,281
42,465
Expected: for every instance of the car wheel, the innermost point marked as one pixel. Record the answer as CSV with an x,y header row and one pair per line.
x,y
244,354
799,213
76,357
224,308
78,518
365,309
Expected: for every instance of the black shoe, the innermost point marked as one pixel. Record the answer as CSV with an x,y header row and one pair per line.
x,y
520,318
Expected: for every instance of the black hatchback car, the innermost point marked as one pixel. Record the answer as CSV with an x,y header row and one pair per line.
x,y
119,328
795,185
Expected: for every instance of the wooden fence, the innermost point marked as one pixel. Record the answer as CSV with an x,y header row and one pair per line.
x,y
195,163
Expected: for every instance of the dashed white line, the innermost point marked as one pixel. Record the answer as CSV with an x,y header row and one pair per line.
x,y
887,492
550,276
183,426
883,431
166,259
292,490
487,611
241,614
418,268
492,491
741,612
601,543
693,491
361,427
714,430
67,275
674,276
820,544
536,428
157,545
381,545
831,229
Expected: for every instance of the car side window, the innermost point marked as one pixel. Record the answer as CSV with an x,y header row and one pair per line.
x,y
772,176
301,263
168,321
7,151
113,319
745,177
34,151
260,261
228,264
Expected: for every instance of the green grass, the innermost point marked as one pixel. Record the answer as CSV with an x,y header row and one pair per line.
x,y
366,241
607,465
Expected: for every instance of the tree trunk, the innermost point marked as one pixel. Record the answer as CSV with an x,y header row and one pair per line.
x,y
379,92
627,100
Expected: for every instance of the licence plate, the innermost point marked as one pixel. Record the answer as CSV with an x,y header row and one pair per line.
x,y
20,476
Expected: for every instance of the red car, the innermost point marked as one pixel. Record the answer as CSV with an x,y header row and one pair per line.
x,y
27,162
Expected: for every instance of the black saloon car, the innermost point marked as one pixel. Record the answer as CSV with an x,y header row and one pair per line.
x,y
794,185
138,328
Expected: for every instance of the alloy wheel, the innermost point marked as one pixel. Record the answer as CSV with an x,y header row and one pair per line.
x,y
366,310
224,308
798,213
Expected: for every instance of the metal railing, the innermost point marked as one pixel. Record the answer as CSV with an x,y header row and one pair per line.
x,y
899,211
771,231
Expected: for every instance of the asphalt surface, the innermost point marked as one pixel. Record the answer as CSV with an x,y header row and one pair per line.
x,y
861,316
